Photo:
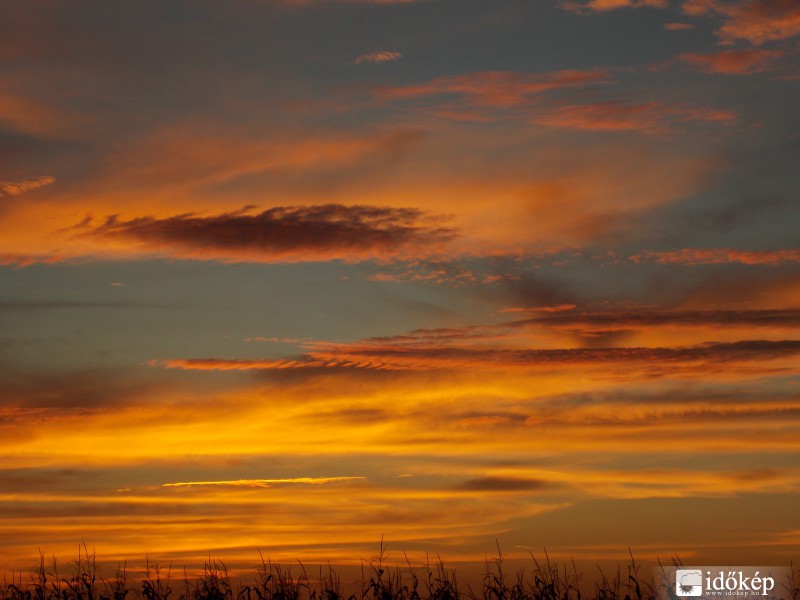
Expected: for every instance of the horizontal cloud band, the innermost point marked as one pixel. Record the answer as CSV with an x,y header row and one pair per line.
x,y
403,358
285,233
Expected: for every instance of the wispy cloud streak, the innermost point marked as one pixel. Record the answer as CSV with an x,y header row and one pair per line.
x,y
15,188
732,62
381,56
715,256
493,89
595,6
656,361
262,483
650,117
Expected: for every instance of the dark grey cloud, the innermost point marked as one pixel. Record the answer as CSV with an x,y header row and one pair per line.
x,y
503,484
784,317
286,233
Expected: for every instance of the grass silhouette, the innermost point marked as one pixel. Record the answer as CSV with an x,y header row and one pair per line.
x,y
273,581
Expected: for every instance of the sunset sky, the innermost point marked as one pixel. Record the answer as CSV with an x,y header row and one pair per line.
x,y
298,274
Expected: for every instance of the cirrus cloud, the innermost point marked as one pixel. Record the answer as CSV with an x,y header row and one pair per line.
x,y
732,62
494,89
15,188
649,117
381,56
262,483
716,256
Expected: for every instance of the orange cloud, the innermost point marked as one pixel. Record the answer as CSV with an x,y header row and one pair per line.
x,y
543,309
378,57
26,260
14,188
188,169
628,344
316,2
732,62
592,6
621,327
216,364
651,117
27,116
559,201
755,21
623,362
495,89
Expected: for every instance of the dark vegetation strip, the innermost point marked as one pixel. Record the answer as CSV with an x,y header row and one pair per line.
x,y
273,581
